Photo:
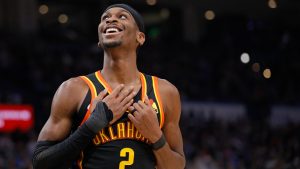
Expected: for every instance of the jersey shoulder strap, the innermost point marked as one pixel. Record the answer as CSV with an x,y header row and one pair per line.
x,y
155,98
95,87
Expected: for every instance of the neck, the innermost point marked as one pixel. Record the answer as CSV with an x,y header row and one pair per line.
x,y
120,67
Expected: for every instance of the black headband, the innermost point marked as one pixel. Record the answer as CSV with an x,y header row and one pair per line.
x,y
136,15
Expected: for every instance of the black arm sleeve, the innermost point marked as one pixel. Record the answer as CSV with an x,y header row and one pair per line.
x,y
99,118
49,156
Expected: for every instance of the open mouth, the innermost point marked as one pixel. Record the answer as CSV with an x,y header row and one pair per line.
x,y
112,30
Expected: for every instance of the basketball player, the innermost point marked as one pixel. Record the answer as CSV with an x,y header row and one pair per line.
x,y
118,117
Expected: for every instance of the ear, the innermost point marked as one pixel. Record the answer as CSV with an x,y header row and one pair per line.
x,y
100,45
140,38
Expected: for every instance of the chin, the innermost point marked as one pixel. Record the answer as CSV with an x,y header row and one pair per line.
x,y
112,44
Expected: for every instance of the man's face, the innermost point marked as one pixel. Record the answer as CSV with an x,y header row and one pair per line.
x,y
117,27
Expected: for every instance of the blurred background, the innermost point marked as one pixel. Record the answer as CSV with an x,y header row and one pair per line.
x,y
236,64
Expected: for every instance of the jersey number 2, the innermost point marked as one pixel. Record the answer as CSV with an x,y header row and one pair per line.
x,y
126,152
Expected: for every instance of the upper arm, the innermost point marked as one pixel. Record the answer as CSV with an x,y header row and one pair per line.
x,y
66,101
172,109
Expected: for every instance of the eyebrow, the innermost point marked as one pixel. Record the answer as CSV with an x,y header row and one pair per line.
x,y
122,10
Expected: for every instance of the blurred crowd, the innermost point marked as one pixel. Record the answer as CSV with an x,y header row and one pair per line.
x,y
16,150
241,145
32,68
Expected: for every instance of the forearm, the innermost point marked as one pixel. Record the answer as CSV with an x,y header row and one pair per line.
x,y
47,156
168,159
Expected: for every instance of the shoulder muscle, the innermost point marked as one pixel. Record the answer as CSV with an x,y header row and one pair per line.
x,y
170,98
66,101
69,96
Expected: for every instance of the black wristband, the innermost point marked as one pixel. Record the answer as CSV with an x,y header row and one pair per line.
x,y
159,143
108,112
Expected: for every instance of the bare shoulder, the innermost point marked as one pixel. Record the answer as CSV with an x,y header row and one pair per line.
x,y
73,83
170,98
69,95
167,89
66,101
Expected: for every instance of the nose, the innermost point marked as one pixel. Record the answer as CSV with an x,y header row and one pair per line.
x,y
111,19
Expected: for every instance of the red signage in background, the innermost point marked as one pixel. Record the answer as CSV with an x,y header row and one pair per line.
x,y
16,117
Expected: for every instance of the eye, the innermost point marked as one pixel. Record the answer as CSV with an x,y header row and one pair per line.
x,y
123,17
105,17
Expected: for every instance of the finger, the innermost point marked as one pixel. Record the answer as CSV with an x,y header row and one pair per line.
x,y
142,104
132,119
147,101
117,90
102,94
128,98
131,108
127,105
100,97
137,107
125,92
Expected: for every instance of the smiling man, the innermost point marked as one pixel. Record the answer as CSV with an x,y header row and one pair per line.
x,y
117,117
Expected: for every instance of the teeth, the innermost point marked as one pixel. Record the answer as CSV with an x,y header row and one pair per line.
x,y
112,30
